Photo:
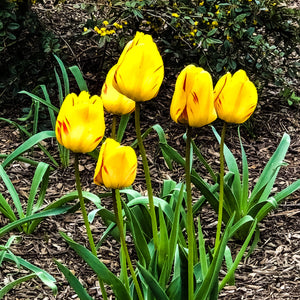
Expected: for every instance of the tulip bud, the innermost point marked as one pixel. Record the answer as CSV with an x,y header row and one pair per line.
x,y
235,97
192,102
80,123
140,69
113,101
116,166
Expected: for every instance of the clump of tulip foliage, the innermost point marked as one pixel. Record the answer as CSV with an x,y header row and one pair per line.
x,y
172,260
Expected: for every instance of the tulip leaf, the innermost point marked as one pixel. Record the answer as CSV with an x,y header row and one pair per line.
x,y
36,216
64,75
28,144
79,78
153,284
45,277
99,268
14,283
74,282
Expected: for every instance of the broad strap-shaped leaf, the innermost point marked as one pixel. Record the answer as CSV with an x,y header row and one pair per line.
x,y
14,283
44,276
12,191
153,284
37,216
79,78
267,178
74,282
99,268
28,144
38,186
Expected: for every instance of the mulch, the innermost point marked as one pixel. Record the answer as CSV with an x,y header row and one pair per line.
x,y
271,272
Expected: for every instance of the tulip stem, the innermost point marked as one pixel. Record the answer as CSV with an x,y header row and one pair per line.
x,y
119,220
86,221
221,187
147,173
113,127
190,219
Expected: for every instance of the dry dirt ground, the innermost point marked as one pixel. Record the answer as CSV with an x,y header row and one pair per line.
x,y
271,272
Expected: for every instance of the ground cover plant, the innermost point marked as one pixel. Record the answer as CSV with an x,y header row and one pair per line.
x,y
168,258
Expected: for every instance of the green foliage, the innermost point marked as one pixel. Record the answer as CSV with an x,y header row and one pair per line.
x,y
260,37
6,255
27,218
25,46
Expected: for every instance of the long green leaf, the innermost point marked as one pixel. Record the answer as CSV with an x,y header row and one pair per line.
x,y
51,112
122,127
79,78
64,75
6,209
40,215
269,174
28,144
12,191
40,177
153,284
74,282
45,277
238,258
100,269
12,284
39,99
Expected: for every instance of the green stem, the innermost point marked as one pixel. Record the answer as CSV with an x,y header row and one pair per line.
x,y
147,173
86,221
119,219
221,193
113,127
190,219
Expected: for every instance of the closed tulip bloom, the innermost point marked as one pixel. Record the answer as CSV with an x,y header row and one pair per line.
x,y
140,69
235,97
113,101
80,123
193,102
116,166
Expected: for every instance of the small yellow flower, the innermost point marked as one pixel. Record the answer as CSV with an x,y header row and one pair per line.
x,y
105,23
85,29
254,22
214,23
196,23
175,15
201,3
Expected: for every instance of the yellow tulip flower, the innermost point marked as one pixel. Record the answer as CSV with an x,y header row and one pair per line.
x,y
193,102
235,97
80,123
140,69
116,166
113,101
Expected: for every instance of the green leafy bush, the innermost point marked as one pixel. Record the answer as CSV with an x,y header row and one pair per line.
x,y
260,37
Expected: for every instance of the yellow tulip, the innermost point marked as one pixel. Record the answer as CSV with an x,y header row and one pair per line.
x,y
80,123
140,69
116,166
193,102
235,97
113,101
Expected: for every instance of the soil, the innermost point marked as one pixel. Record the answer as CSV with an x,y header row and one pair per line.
x,y
272,270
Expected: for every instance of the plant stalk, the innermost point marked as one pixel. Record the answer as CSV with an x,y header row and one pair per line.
x,y
190,219
221,187
119,220
86,221
147,173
